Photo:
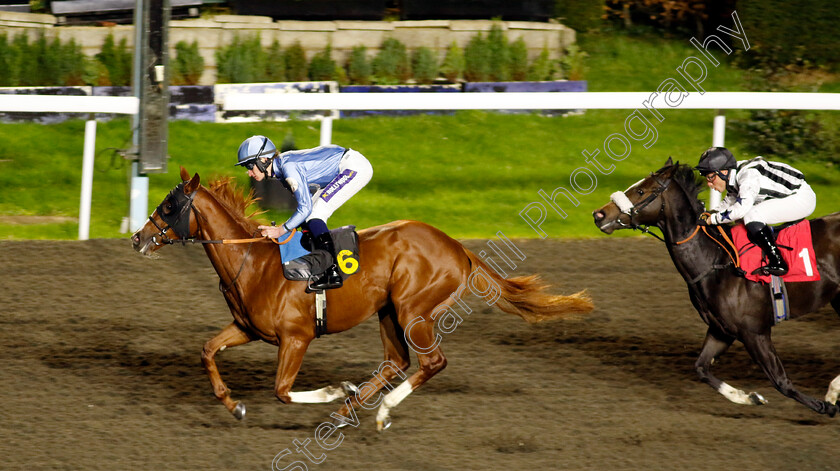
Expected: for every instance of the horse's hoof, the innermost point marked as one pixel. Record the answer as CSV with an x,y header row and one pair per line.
x,y
239,411
757,399
384,424
350,389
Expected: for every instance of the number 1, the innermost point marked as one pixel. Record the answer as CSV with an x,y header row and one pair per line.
x,y
806,260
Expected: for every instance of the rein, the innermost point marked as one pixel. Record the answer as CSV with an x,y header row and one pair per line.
x,y
178,223
736,258
231,241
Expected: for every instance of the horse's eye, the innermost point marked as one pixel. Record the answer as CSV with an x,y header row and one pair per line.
x,y
640,191
167,207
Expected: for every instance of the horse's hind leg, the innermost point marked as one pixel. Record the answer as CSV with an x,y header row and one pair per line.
x,y
397,360
834,388
715,345
420,335
230,336
833,391
761,349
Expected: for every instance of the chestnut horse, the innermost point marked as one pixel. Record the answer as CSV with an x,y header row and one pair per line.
x,y
733,307
410,272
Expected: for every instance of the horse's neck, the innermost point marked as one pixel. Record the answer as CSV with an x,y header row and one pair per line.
x,y
692,257
215,220
216,223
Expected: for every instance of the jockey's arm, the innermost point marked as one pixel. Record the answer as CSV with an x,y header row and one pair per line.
x,y
725,203
738,206
301,191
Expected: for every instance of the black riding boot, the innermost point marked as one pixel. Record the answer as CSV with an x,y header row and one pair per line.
x,y
331,278
762,236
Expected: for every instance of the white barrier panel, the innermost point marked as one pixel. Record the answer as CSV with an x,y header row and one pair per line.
x,y
87,179
529,101
69,104
718,134
75,104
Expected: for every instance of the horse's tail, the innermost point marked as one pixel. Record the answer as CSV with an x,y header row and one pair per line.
x,y
524,296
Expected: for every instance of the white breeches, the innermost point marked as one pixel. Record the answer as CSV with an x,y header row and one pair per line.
x,y
354,172
778,210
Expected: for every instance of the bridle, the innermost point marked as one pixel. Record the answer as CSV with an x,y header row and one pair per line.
x,y
627,207
178,221
632,210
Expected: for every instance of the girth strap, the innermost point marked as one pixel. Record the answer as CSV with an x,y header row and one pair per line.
x,y
779,299
320,313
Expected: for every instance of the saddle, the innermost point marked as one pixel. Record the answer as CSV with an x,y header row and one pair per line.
x,y
301,262
795,244
797,249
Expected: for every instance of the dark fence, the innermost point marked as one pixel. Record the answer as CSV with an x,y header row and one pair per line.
x,y
518,10
313,9
77,12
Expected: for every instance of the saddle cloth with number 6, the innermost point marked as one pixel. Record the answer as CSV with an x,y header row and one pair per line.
x,y
300,261
794,243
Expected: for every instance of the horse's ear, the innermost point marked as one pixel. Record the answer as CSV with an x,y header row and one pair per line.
x,y
192,185
185,175
669,162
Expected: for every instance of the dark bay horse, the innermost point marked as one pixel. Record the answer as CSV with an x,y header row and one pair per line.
x,y
733,307
410,273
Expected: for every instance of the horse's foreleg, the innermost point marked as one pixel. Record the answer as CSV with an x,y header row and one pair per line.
x,y
761,349
289,359
230,336
317,396
715,345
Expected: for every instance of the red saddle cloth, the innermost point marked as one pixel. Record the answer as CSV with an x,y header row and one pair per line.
x,y
794,243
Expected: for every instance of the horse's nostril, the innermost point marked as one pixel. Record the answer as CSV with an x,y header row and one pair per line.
x,y
598,215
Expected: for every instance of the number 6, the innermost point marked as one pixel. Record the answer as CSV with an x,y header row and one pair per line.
x,y
346,262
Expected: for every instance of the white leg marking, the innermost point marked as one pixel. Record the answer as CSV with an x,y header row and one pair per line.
x,y
833,391
740,397
327,394
391,400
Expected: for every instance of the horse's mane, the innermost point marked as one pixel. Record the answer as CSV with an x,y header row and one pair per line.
x,y
684,177
232,197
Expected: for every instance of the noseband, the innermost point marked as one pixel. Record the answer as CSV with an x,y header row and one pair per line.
x,y
627,207
178,220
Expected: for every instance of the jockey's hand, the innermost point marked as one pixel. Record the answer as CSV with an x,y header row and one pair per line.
x,y
703,220
274,232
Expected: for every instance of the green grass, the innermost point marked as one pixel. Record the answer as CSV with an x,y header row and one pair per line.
x,y
620,62
469,174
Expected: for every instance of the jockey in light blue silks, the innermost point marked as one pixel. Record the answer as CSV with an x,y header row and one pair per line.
x,y
333,172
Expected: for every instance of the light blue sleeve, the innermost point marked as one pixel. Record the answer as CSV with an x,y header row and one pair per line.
x,y
304,199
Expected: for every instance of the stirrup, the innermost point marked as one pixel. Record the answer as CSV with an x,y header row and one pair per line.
x,y
767,270
330,279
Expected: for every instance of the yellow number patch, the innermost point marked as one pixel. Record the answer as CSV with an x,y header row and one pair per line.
x,y
346,262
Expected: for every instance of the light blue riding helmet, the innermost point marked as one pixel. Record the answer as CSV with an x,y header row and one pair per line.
x,y
253,148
